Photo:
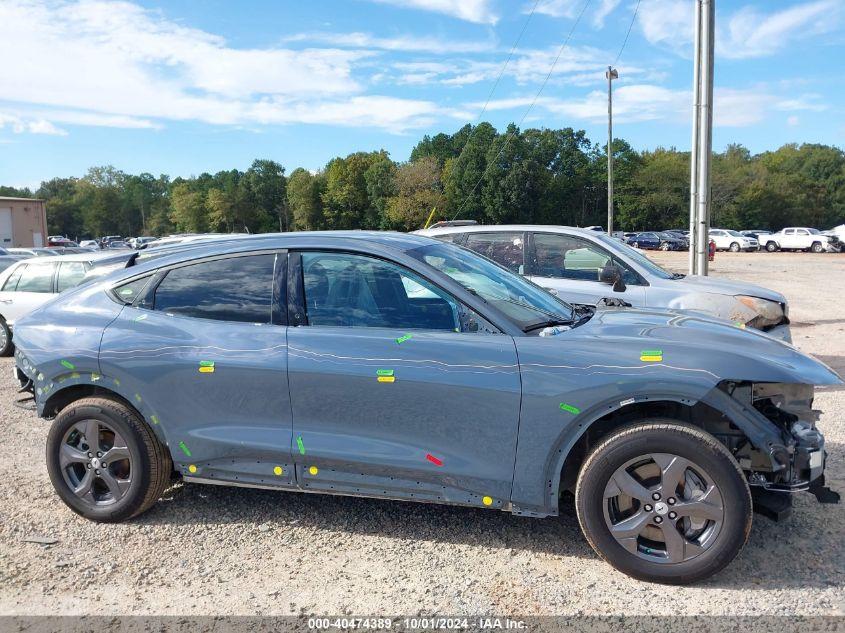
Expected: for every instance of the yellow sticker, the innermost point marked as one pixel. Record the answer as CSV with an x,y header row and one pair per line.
x,y
313,470
192,469
387,378
487,501
651,359
206,370
278,471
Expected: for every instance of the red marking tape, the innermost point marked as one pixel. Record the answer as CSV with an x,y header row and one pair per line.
x,y
433,459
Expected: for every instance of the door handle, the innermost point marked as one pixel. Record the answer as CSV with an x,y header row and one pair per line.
x,y
5,301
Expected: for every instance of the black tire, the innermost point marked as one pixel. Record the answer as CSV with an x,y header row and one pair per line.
x,y
734,248
771,247
6,345
817,247
635,244
665,246
706,455
148,463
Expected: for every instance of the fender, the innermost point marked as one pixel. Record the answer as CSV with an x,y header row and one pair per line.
x,y
762,434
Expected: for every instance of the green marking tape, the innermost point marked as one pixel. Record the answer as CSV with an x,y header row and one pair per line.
x,y
206,363
404,338
184,449
138,397
140,318
384,372
75,374
67,364
154,419
651,352
300,445
569,408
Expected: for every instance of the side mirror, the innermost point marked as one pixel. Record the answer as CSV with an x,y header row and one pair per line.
x,y
612,275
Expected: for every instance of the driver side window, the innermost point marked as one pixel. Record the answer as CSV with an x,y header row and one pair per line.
x,y
568,257
349,290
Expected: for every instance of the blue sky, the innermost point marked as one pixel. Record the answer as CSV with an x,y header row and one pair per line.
x,y
187,86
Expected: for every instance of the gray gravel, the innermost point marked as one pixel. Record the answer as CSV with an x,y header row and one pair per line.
x,y
214,550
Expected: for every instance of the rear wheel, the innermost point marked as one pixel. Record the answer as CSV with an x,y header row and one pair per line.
x,y
104,461
664,502
771,247
6,345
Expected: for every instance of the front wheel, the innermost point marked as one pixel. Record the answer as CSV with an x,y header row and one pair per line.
x,y
771,247
664,502
104,461
635,244
734,247
665,246
817,247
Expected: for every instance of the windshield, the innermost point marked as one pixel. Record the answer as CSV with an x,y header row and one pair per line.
x,y
814,231
633,254
525,303
734,233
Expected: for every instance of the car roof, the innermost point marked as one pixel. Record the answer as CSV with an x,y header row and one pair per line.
x,y
488,228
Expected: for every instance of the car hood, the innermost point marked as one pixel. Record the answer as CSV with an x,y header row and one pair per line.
x,y
691,341
725,287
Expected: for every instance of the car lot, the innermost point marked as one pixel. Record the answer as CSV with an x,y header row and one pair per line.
x,y
231,550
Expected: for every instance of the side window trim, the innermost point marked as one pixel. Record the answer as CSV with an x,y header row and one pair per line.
x,y
17,271
295,290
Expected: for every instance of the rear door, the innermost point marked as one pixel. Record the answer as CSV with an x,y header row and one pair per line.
x,y
201,350
397,389
571,266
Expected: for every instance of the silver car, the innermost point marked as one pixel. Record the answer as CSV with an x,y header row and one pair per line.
x,y
583,266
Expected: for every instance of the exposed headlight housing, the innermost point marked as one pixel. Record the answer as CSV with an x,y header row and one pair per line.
x,y
767,313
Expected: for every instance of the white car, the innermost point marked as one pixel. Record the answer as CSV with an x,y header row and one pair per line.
x,y
582,266
29,283
799,238
733,241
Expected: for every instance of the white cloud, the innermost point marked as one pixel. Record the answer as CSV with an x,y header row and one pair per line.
x,y
571,8
478,11
745,33
792,121
406,43
647,102
19,125
750,33
96,62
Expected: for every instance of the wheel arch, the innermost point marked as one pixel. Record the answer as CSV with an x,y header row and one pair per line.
x,y
710,413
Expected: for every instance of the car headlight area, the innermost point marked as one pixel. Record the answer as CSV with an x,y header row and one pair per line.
x,y
761,313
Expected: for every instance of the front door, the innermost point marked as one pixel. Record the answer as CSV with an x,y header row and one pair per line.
x,y
397,390
571,265
203,354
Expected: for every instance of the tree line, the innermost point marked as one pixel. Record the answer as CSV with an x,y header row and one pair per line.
x,y
532,176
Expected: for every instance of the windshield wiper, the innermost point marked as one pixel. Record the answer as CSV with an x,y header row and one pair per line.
x,y
545,324
677,276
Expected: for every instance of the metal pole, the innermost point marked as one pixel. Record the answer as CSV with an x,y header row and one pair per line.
x,y
611,74
696,105
705,138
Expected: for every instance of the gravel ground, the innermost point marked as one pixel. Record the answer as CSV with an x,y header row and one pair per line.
x,y
214,550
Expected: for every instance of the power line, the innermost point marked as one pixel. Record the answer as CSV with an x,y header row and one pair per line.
x,y
630,26
528,111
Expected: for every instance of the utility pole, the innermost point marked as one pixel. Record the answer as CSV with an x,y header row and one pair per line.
x,y
611,74
702,136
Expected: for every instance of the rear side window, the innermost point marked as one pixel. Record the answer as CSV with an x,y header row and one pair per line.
x,y
127,293
448,237
234,289
36,278
506,249
70,274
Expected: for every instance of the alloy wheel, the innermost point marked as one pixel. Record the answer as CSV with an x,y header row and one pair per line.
x,y
95,462
663,508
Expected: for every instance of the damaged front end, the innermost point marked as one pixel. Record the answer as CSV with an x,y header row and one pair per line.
x,y
797,462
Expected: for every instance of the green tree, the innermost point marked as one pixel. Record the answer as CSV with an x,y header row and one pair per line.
x,y
304,192
188,210
418,191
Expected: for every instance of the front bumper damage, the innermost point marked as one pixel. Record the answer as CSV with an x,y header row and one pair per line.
x,y
798,462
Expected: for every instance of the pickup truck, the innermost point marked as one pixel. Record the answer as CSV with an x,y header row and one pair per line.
x,y
800,239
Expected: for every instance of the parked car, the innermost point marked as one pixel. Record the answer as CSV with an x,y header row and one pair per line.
x,y
733,241
139,242
28,283
755,233
117,244
89,244
800,239
35,252
60,240
498,395
585,267
8,260
654,240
